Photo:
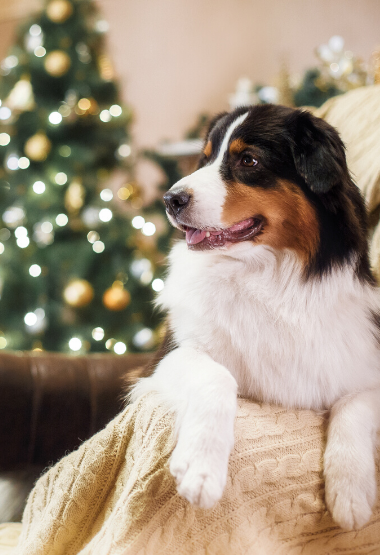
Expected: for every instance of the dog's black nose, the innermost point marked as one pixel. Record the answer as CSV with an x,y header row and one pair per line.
x,y
175,202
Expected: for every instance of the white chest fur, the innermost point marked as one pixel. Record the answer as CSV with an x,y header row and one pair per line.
x,y
285,340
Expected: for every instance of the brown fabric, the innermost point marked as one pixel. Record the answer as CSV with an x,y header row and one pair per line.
x,y
115,494
50,403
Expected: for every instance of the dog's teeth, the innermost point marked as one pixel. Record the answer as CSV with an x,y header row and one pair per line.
x,y
207,234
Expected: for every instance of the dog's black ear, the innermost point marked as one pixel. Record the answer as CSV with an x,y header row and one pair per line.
x,y
318,152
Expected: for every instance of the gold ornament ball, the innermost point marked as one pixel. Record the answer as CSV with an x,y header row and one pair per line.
x,y
78,293
37,147
116,298
59,10
57,63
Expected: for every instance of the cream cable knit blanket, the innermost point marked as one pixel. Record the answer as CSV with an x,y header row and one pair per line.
x,y
115,495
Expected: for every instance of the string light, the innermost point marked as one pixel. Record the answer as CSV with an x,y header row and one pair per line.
x,y
39,187
102,26
92,236
12,161
61,220
13,216
30,319
64,150
75,344
3,342
146,277
110,343
139,266
23,163
5,113
35,270
4,139
120,348
10,62
35,321
98,246
55,118
105,116
116,110
2,248
124,151
138,222
23,242
46,227
98,334
35,30
90,216
40,51
157,285
21,231
105,215
106,195
65,111
60,178
124,193
149,229
143,338
84,104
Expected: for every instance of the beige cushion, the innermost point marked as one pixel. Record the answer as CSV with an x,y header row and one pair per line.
x,y
356,115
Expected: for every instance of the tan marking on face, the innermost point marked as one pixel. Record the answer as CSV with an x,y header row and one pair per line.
x,y
208,149
291,220
237,146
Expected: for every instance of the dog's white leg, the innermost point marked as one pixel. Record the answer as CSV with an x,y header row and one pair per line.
x,y
203,394
349,461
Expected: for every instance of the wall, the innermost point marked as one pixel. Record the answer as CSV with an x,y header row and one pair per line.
x,y
177,58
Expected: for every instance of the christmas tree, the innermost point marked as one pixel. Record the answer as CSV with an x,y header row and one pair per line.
x,y
79,256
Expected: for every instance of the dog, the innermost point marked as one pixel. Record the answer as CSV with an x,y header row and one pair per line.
x,y
270,297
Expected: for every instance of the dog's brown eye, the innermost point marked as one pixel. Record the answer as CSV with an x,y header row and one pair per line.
x,y
248,160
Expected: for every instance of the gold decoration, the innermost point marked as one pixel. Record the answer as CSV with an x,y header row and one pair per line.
x,y
78,293
116,297
339,67
59,11
37,147
74,196
57,63
285,93
105,67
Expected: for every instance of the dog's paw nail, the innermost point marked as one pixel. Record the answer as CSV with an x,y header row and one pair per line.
x,y
201,488
350,499
199,480
350,512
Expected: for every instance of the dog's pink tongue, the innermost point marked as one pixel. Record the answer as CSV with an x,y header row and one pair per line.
x,y
194,236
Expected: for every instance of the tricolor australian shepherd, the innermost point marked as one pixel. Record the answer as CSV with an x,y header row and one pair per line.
x,y
271,297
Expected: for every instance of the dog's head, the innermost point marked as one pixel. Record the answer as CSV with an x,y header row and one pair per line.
x,y
276,177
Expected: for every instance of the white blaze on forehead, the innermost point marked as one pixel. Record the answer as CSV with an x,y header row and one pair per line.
x,y
226,140
208,188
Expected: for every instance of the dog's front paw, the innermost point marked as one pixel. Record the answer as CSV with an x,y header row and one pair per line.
x,y
200,477
350,488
